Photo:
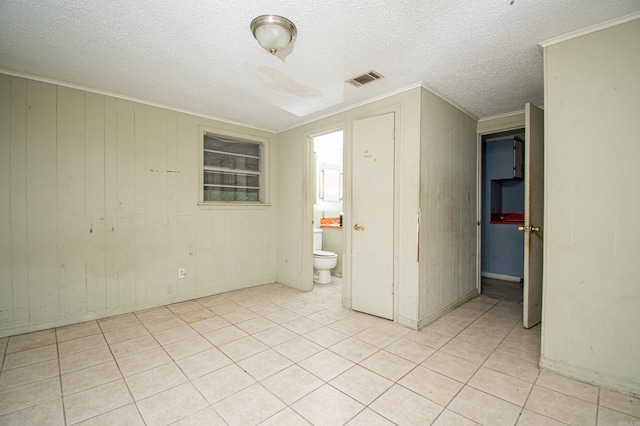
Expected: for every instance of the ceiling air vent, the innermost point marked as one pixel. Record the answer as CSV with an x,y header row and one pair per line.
x,y
365,78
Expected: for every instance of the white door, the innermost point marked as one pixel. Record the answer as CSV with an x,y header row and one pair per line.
x,y
533,214
372,215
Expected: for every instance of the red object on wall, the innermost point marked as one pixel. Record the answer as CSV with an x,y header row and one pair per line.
x,y
507,218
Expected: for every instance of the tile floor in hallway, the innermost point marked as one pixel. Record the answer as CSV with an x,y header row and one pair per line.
x,y
274,356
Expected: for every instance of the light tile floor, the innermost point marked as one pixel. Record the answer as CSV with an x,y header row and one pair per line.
x,y
274,356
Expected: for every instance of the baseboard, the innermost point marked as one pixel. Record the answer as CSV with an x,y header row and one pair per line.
x,y
406,322
511,278
16,329
441,312
617,384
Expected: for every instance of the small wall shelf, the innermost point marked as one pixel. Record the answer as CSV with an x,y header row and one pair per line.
x,y
503,194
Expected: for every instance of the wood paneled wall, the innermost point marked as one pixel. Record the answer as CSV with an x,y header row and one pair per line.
x,y
590,324
99,209
448,206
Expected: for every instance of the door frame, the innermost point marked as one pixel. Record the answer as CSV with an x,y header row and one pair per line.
x,y
501,123
307,215
309,201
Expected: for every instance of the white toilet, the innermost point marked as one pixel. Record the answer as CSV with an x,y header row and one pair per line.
x,y
323,261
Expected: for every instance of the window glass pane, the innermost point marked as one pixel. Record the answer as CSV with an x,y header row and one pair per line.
x,y
231,179
232,170
232,162
232,147
214,193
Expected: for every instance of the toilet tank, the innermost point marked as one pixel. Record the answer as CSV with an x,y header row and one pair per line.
x,y
317,239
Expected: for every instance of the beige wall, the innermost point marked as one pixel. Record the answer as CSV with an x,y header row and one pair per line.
x,y
101,206
435,160
295,229
591,310
99,210
448,205
292,155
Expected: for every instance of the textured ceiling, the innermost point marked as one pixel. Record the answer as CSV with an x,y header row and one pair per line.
x,y
199,56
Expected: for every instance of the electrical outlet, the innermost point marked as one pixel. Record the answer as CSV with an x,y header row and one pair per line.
x,y
182,272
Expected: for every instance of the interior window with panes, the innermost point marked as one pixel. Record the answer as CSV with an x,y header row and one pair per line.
x,y
232,170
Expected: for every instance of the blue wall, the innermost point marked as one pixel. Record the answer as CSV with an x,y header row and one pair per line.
x,y
502,244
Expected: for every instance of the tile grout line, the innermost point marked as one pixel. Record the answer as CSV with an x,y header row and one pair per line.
x,y
62,399
233,362
528,396
324,382
378,349
133,400
465,384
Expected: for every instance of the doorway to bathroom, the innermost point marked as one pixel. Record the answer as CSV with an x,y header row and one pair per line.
x,y
328,189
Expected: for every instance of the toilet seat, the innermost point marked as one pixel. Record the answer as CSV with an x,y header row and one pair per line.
x,y
322,253
323,263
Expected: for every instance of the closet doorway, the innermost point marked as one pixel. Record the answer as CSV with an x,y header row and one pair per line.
x,y
512,202
502,193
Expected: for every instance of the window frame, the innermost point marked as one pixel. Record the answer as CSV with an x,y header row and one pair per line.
x,y
264,168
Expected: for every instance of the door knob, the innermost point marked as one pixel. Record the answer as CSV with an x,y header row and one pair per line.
x,y
523,228
357,227
535,229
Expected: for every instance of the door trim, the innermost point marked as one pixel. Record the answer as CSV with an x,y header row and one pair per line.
x,y
309,198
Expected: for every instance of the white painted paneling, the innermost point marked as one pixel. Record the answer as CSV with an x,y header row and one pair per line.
x,y
18,199
42,202
208,266
124,219
448,236
591,293
111,207
101,209
75,228
291,230
295,237
156,239
436,155
96,159
140,241
6,302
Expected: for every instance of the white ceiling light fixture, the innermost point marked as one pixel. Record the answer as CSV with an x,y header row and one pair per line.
x,y
273,32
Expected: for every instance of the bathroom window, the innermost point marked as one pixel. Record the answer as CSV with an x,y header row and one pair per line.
x,y
232,169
